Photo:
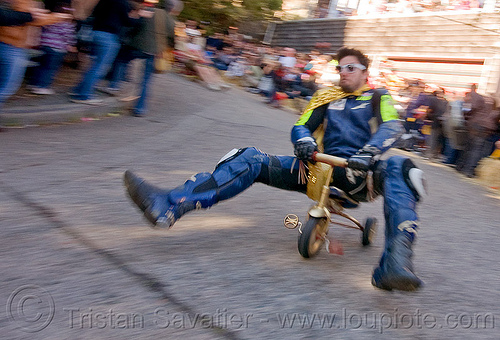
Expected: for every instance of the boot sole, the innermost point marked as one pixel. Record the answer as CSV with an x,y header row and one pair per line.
x,y
407,284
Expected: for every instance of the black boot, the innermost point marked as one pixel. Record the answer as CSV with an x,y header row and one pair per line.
x,y
146,197
396,268
164,207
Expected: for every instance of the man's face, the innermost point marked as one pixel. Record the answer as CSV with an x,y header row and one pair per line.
x,y
350,82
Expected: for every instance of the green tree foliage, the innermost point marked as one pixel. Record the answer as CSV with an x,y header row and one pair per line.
x,y
224,13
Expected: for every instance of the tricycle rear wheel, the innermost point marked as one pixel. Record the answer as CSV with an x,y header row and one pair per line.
x,y
369,230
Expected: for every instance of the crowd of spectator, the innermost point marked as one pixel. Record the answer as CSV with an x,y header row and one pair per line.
x,y
276,73
455,128
113,33
449,127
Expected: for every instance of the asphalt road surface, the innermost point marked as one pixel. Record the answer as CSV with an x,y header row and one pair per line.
x,y
78,261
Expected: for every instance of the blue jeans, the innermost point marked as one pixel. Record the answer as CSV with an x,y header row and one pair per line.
x,y
451,154
219,65
105,48
13,62
476,150
125,57
50,63
120,69
140,106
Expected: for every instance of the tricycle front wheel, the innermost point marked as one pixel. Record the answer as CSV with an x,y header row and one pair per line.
x,y
312,236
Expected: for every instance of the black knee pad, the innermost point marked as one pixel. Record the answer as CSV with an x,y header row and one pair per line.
x,y
206,183
272,173
378,177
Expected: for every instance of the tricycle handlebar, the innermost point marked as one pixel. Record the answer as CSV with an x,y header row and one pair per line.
x,y
329,159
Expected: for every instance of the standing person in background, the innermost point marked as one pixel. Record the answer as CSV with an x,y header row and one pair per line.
x,y
436,114
110,17
418,98
413,124
14,40
149,39
55,41
481,122
455,131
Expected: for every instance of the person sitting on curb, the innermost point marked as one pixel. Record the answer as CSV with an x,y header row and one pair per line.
x,y
191,53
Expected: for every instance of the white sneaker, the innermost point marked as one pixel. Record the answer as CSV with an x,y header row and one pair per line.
x,y
108,90
213,87
90,101
42,90
129,98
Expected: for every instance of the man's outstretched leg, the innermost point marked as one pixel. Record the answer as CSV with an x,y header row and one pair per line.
x,y
402,188
234,173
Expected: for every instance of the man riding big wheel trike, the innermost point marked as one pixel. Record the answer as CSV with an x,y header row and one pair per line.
x,y
352,122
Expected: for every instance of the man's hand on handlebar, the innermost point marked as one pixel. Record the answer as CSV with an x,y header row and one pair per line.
x,y
305,148
363,160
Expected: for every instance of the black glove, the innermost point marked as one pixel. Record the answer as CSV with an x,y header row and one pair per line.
x,y
305,148
363,160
